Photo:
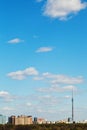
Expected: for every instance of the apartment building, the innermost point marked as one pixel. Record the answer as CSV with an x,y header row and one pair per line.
x,y
20,120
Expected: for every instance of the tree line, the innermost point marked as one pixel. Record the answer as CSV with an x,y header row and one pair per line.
x,y
45,127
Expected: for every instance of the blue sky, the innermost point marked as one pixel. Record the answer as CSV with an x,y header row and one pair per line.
x,y
43,49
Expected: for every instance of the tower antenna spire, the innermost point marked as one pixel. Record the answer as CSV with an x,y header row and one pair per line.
x,y
72,107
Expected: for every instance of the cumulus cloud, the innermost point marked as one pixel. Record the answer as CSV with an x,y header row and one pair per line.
x,y
15,41
57,88
44,49
6,96
52,78
63,79
22,74
4,93
69,87
62,9
67,80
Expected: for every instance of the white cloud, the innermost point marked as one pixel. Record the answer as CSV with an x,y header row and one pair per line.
x,y
67,97
29,104
49,75
51,101
57,88
44,49
16,75
15,41
70,87
38,78
22,74
63,79
67,80
62,9
8,108
6,96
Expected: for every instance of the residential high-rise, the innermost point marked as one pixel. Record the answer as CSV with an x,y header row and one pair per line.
x,y
2,119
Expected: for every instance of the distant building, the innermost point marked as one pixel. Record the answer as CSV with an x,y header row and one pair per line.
x,y
2,119
35,120
20,120
11,120
39,120
64,121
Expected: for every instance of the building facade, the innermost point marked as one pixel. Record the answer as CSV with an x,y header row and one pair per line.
x,y
20,120
2,119
39,120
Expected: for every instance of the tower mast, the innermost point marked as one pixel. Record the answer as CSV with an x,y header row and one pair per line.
x,y
72,107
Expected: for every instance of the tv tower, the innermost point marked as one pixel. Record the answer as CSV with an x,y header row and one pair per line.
x,y
72,107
